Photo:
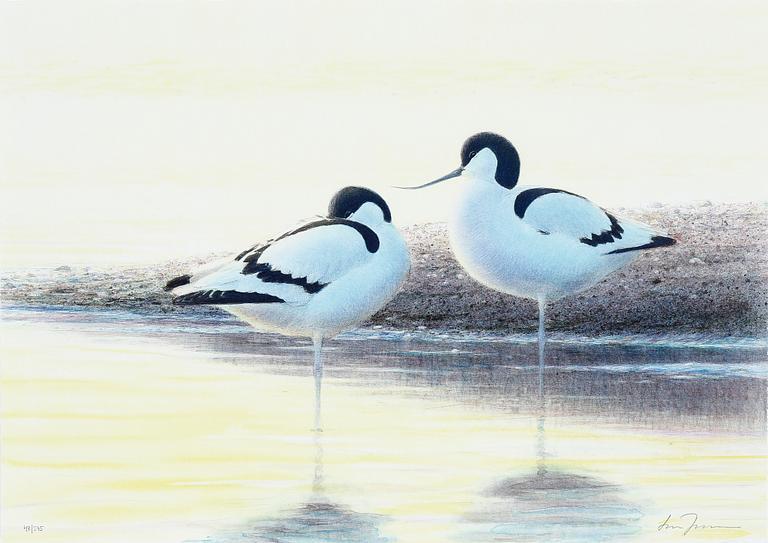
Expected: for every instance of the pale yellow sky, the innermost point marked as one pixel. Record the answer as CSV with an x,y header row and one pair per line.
x,y
138,130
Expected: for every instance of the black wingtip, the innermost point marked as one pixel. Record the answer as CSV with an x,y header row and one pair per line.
x,y
662,241
656,241
225,297
194,298
177,282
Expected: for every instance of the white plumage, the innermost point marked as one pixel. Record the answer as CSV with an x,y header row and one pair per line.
x,y
562,213
328,274
544,254
316,280
534,242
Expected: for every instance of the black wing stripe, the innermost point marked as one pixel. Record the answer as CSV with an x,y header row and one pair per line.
x,y
606,236
656,241
224,297
265,272
257,248
368,235
526,198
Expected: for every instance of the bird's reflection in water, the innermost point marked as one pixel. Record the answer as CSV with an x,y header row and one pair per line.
x,y
551,504
318,520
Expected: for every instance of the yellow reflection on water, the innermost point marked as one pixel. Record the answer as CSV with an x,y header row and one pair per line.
x,y
131,439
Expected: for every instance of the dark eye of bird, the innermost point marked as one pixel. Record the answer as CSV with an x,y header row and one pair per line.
x,y
473,153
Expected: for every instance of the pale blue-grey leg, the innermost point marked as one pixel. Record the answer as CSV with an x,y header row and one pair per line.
x,y
317,342
540,442
542,342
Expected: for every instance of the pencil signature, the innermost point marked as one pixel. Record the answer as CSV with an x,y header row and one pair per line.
x,y
690,522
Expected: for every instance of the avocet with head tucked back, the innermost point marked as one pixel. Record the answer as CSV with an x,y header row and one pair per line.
x,y
534,242
317,280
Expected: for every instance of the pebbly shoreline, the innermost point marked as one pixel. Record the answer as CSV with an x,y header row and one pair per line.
x,y
715,280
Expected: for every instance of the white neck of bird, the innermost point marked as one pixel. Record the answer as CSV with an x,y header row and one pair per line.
x,y
369,214
482,166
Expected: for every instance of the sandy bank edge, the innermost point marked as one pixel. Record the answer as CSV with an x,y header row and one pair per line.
x,y
714,281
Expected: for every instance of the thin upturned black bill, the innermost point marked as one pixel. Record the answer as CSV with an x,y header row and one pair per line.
x,y
455,173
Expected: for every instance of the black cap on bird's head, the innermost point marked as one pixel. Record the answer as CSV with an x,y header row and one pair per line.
x,y
507,161
350,199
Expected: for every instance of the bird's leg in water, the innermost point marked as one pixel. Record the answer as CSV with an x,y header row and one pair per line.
x,y
542,341
540,444
317,342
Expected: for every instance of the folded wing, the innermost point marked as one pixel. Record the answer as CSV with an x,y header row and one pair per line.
x,y
290,269
552,211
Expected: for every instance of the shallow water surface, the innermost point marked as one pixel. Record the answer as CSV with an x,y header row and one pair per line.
x,y
120,427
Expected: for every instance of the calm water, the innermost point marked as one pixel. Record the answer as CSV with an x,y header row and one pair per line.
x,y
119,427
